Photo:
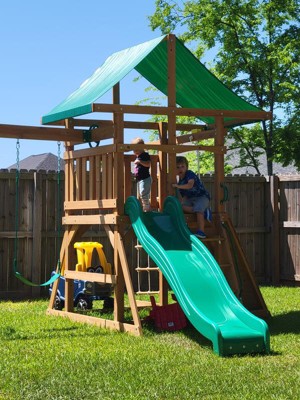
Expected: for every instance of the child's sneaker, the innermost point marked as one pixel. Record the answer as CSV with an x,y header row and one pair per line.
x,y
200,234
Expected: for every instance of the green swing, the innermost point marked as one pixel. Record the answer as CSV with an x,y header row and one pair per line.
x,y
17,274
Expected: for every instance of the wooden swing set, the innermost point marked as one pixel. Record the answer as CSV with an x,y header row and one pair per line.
x,y
98,181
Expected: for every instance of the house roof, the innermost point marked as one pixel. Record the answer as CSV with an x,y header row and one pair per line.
x,y
45,162
233,159
196,86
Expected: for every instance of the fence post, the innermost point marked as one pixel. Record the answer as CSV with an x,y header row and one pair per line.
x,y
274,234
37,233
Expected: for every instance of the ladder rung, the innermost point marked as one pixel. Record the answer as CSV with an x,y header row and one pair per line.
x,y
213,239
147,292
147,269
225,265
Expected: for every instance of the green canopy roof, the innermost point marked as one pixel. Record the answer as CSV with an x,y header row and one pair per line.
x,y
196,87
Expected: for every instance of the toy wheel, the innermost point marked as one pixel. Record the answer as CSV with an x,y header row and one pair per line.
x,y
99,269
108,302
58,303
84,304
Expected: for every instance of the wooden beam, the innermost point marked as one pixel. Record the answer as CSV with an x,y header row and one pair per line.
x,y
55,134
194,136
171,148
155,125
39,133
69,155
192,112
291,224
90,219
90,204
92,277
100,322
127,124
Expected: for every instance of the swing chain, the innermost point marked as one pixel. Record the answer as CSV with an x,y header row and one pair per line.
x,y
15,262
18,154
58,157
16,249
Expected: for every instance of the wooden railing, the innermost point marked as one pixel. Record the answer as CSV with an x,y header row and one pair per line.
x,y
90,178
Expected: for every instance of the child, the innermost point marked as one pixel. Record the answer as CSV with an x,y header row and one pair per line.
x,y
142,175
194,196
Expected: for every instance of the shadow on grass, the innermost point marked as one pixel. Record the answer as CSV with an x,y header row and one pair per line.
x,y
196,336
8,333
189,331
285,323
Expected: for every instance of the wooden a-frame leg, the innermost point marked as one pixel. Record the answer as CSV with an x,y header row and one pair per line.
x,y
128,283
70,236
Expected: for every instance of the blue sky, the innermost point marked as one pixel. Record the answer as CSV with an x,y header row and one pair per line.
x,y
48,48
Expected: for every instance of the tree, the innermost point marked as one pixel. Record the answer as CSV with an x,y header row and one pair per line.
x,y
257,55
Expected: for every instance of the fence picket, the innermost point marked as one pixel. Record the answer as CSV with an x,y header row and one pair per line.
x,y
265,212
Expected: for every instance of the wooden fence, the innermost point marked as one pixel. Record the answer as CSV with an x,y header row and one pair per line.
x,y
264,210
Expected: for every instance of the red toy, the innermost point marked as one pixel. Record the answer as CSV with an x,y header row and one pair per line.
x,y
167,318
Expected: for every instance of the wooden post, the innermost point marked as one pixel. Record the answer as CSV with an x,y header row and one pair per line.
x,y
37,233
118,166
69,195
274,235
162,160
127,280
171,176
171,116
69,283
116,93
120,286
219,165
118,193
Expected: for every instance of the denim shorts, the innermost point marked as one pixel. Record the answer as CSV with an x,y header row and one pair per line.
x,y
144,188
199,204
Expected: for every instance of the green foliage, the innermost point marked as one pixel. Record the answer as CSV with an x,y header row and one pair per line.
x,y
257,55
288,140
249,143
47,357
200,162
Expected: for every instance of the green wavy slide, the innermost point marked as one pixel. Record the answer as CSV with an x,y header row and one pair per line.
x,y
197,281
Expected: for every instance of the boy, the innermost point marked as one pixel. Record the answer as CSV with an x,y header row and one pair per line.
x,y
194,196
142,175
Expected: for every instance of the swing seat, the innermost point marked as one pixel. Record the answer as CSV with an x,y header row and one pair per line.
x,y
53,278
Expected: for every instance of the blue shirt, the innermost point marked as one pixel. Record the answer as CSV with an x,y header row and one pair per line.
x,y
198,190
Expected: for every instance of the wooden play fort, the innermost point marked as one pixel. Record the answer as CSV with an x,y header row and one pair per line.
x,y
98,177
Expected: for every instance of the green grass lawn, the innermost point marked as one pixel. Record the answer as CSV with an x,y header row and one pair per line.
x,y
51,358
